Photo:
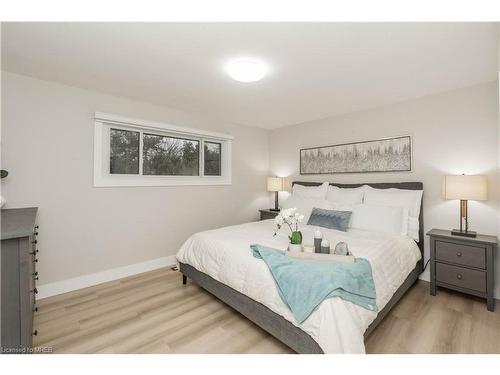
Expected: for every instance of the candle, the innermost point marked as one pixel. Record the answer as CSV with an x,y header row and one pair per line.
x,y
325,246
317,241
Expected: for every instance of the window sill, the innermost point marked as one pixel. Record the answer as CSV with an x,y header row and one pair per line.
x,y
130,181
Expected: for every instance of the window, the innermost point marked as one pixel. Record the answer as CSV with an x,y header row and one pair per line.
x,y
170,156
131,152
212,158
124,155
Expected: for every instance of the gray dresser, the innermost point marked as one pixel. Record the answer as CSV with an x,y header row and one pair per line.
x,y
18,260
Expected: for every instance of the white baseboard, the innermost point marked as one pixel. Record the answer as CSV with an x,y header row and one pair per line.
x,y
64,286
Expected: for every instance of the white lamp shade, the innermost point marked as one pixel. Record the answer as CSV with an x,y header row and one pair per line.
x,y
274,184
465,187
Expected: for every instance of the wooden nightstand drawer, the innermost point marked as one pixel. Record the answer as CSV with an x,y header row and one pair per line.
x,y
461,277
471,256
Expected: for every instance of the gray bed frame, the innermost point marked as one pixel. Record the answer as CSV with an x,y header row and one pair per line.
x,y
278,326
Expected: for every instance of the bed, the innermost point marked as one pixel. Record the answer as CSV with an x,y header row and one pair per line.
x,y
220,261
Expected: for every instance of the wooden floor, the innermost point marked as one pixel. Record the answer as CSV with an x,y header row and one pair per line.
x,y
154,313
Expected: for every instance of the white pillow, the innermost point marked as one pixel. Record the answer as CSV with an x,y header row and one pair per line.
x,y
310,192
408,199
345,196
384,219
305,205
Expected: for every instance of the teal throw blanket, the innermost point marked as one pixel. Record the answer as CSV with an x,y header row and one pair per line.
x,y
304,284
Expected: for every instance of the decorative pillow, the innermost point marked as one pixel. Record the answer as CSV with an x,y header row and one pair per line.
x,y
331,219
310,192
408,199
345,196
384,219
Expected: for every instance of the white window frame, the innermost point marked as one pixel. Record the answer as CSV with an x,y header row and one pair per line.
x,y
102,178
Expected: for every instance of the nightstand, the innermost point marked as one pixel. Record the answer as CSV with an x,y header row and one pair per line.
x,y
268,214
462,263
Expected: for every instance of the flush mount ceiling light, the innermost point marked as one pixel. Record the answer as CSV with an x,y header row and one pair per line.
x,y
246,70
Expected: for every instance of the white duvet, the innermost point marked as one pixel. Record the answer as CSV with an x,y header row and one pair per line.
x,y
336,325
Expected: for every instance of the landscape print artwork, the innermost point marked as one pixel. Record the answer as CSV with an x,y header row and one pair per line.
x,y
383,155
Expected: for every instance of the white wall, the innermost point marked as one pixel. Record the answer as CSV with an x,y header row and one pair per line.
x,y
47,146
453,133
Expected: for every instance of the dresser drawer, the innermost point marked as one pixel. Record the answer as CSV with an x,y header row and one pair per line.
x,y
462,277
461,254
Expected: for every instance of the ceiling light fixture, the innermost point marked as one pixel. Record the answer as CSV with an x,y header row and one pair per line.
x,y
246,70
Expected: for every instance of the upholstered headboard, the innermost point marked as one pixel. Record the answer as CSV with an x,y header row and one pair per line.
x,y
385,185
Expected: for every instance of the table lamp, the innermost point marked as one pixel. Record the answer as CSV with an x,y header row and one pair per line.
x,y
275,184
465,188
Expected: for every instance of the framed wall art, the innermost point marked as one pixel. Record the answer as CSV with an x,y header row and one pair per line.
x,y
381,155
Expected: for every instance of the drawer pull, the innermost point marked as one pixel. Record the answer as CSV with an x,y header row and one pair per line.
x,y
459,254
35,260
35,242
34,252
459,276
35,332
35,273
35,309
35,291
36,227
35,278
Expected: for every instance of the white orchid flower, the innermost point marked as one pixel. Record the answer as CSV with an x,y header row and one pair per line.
x,y
289,216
